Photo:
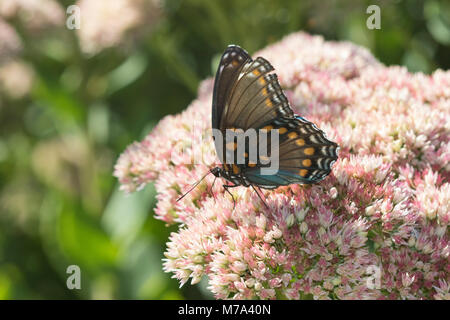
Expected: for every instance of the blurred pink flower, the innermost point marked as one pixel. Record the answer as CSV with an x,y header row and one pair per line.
x,y
16,79
10,43
106,24
384,206
35,15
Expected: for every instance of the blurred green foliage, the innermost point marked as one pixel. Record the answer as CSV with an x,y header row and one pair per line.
x,y
59,203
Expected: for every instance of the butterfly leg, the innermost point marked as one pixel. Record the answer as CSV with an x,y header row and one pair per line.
x,y
263,201
211,189
226,187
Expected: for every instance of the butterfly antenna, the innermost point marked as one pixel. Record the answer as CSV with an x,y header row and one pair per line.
x,y
263,201
193,187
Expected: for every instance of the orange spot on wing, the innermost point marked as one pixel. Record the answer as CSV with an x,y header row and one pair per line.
x,y
256,72
236,169
292,135
269,103
303,172
306,162
282,130
309,151
300,142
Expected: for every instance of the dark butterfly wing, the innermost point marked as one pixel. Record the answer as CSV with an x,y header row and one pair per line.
x,y
256,98
230,66
305,155
246,95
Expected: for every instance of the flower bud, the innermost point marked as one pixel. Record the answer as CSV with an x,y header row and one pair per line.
x,y
290,220
261,222
303,227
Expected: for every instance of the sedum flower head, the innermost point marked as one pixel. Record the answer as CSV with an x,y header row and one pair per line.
x,y
376,228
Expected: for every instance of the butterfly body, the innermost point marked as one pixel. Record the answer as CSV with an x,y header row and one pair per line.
x,y
248,97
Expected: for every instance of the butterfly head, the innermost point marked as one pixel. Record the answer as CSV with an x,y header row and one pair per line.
x,y
217,172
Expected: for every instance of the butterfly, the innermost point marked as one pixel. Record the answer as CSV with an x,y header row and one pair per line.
x,y
247,97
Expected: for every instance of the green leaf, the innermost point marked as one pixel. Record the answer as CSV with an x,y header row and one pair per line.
x,y
125,213
61,103
127,72
85,243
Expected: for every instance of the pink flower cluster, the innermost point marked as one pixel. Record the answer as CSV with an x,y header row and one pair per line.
x,y
376,228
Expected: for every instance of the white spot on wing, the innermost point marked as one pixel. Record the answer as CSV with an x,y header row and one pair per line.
x,y
319,163
313,139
